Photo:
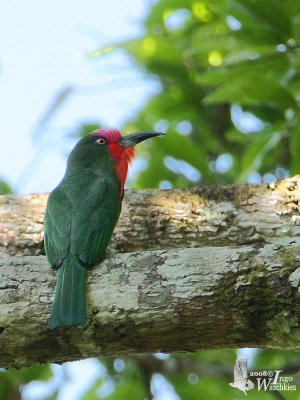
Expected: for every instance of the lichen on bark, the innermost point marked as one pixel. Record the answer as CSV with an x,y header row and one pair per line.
x,y
207,267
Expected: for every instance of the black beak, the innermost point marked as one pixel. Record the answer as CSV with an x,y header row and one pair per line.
x,y
135,138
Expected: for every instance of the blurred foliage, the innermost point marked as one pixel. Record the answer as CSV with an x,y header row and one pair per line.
x,y
12,380
229,101
202,375
4,187
230,85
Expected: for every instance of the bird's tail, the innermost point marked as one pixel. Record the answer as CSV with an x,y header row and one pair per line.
x,y
69,306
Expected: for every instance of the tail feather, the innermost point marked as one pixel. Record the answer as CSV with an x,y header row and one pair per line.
x,y
69,306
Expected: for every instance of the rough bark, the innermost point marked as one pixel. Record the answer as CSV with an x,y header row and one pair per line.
x,y
220,268
166,219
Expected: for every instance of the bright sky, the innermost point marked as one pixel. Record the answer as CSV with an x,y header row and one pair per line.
x,y
43,49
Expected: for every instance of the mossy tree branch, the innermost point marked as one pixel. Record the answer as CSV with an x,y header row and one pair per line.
x,y
219,269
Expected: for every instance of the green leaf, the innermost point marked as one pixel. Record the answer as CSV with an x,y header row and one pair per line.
x,y
269,12
5,188
262,91
272,68
294,134
26,375
255,154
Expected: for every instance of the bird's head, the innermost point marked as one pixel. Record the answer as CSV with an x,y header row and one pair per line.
x,y
121,146
103,142
104,147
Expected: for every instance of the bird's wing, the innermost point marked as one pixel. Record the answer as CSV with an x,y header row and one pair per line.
x,y
90,241
250,384
81,223
240,368
93,222
57,227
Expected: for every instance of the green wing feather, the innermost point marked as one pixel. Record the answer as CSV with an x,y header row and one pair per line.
x,y
57,227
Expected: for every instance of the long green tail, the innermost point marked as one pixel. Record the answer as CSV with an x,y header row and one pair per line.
x,y
69,306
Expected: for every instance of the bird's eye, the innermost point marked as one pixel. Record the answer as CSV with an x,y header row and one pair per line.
x,y
101,141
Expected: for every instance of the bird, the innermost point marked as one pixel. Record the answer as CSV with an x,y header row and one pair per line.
x,y
240,375
81,214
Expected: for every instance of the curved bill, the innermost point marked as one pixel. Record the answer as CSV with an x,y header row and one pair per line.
x,y
135,138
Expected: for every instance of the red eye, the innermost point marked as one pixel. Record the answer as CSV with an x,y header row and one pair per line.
x,y
101,141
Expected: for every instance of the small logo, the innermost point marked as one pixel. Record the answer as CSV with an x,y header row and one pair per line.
x,y
265,380
240,375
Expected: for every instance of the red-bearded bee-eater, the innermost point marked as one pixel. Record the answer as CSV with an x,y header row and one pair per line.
x,y
81,214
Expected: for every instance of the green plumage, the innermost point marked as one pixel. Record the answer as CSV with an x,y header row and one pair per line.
x,y
79,221
69,303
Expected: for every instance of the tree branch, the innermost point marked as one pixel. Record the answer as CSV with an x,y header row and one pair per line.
x,y
166,219
233,284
